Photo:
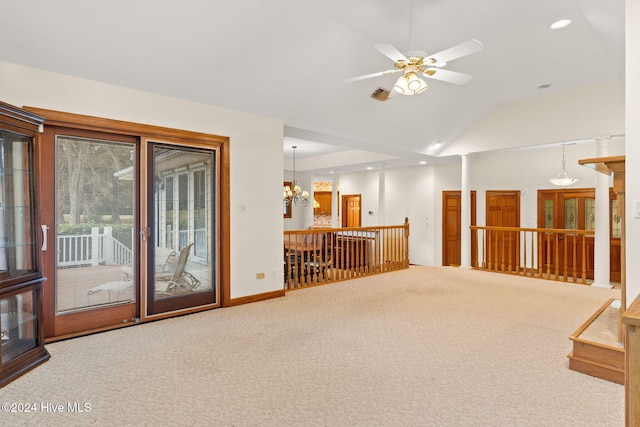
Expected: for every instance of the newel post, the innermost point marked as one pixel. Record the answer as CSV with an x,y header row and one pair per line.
x,y
406,242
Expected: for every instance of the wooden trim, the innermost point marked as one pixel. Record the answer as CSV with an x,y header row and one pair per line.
x,y
473,213
92,331
180,312
602,164
224,269
255,298
80,121
631,320
590,320
160,134
18,118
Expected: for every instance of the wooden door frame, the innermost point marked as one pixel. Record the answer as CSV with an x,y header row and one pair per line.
x,y
490,193
345,207
474,239
69,324
157,133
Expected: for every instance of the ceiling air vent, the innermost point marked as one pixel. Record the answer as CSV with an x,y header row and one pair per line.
x,y
381,94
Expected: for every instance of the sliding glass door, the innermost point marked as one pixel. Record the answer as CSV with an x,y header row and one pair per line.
x,y
131,229
182,225
91,246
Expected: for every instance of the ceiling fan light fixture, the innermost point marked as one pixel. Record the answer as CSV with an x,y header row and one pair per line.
x,y
410,84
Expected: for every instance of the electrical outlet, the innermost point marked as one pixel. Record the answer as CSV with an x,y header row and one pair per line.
x,y
260,275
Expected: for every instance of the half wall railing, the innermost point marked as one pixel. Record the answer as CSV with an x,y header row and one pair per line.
x,y
319,256
547,253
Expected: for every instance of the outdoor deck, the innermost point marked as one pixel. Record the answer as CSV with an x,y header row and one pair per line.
x,y
75,283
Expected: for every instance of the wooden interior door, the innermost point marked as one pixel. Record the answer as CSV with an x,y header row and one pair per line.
x,y
578,214
615,230
452,230
324,202
548,217
503,210
574,208
351,213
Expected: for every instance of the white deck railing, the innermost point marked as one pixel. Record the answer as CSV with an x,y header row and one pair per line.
x,y
102,248
92,249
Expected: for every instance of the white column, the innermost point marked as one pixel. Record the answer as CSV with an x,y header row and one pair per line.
x,y
335,203
381,195
602,244
465,214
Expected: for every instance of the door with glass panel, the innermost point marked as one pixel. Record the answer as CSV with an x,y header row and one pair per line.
x,y
568,210
181,228
91,254
579,214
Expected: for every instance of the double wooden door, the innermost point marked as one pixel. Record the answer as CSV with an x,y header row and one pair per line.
x,y
574,209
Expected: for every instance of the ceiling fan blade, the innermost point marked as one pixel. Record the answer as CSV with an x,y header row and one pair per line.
x,y
447,75
391,52
455,52
368,76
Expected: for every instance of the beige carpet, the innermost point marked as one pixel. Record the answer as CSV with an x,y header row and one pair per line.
x,y
418,347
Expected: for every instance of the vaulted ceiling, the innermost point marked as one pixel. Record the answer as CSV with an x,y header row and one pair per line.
x,y
290,59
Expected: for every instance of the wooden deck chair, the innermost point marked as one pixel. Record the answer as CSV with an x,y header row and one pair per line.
x,y
179,281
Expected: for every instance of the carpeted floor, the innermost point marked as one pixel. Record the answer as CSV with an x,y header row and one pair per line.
x,y
427,346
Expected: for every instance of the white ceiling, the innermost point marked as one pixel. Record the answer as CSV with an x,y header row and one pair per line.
x,y
289,59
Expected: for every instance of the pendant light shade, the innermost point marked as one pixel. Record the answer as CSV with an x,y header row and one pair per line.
x,y
562,179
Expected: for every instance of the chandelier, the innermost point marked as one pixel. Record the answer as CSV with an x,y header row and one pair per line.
x,y
562,179
296,196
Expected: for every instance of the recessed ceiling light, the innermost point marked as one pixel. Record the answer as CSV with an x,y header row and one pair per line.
x,y
560,24
369,168
423,162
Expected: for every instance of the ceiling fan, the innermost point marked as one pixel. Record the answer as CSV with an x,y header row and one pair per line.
x,y
429,66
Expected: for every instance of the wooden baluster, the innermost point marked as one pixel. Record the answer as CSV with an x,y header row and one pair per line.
x,y
533,254
575,259
565,262
515,261
540,260
524,255
557,257
584,261
549,255
502,248
405,235
484,252
376,250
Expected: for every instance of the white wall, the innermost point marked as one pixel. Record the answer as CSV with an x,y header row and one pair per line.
x,y
367,185
416,192
255,151
571,115
632,151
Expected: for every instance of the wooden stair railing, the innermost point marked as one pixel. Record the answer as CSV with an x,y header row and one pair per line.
x,y
548,253
318,256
